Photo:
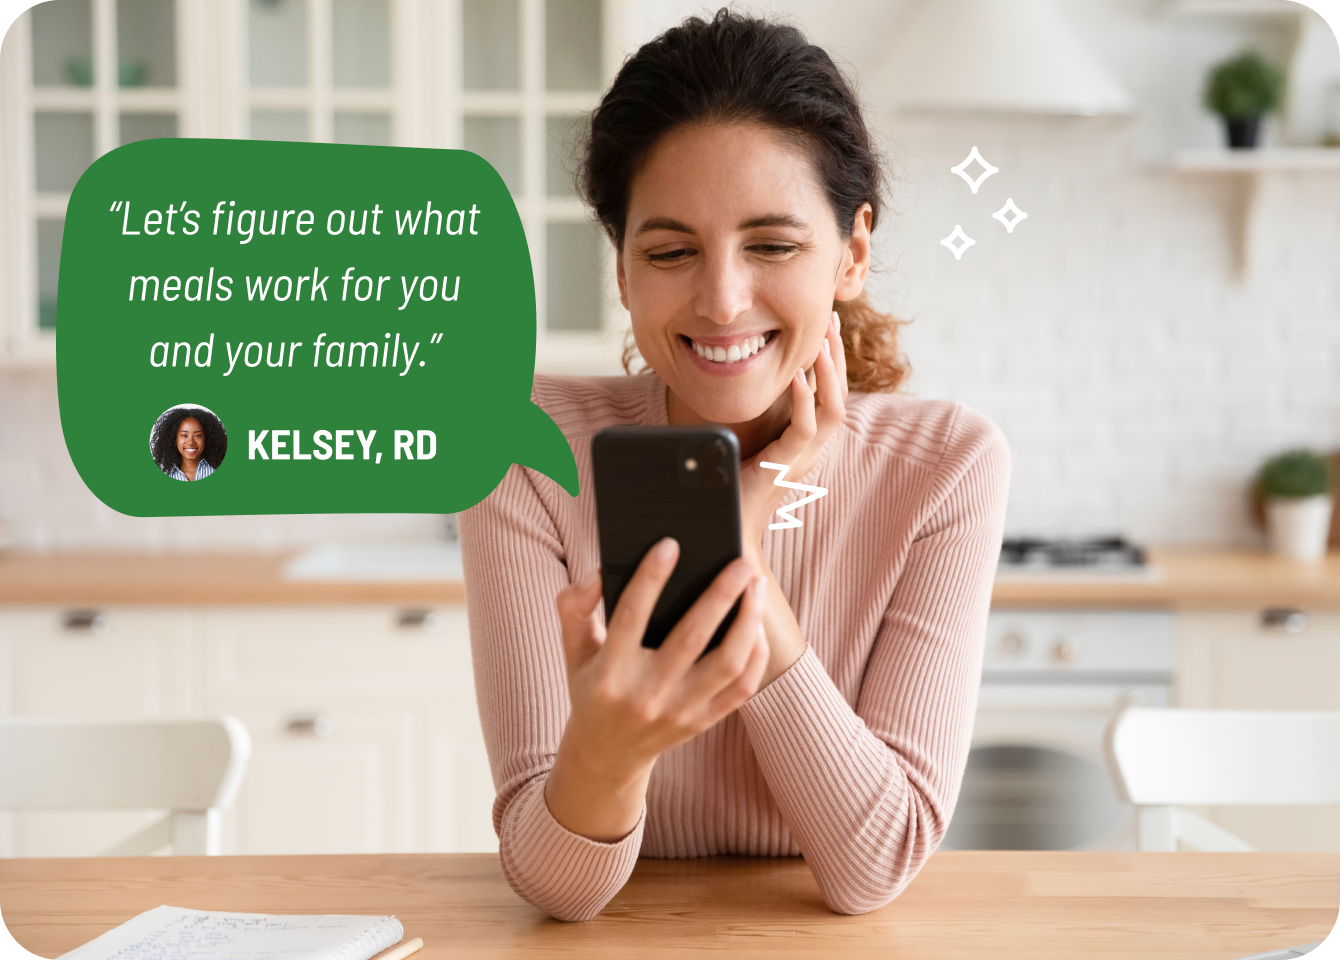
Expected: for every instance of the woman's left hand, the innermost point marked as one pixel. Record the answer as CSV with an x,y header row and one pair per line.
x,y
816,412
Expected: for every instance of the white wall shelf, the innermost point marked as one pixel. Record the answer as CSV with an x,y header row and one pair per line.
x,y
1251,8
1250,170
1259,160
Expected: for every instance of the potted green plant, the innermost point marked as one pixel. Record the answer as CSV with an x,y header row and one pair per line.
x,y
1242,90
1296,488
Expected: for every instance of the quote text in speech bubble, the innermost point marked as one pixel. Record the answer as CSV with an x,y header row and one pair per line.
x,y
358,321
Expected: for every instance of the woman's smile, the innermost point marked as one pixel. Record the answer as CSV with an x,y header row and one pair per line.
x,y
728,356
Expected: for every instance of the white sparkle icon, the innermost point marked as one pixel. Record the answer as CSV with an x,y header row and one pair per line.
x,y
964,242
962,170
1015,215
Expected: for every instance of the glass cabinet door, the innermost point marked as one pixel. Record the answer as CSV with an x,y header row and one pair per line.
x,y
524,104
321,70
509,79
84,104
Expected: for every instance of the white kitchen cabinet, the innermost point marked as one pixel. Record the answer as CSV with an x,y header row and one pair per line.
x,y
1229,660
354,786
365,733
129,664
366,736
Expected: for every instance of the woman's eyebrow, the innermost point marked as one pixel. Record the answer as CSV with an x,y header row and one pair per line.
x,y
662,223
774,220
753,223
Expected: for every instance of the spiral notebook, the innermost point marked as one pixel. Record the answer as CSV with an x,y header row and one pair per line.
x,y
174,933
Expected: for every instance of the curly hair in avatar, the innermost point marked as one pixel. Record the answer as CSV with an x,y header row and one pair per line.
x,y
740,69
163,437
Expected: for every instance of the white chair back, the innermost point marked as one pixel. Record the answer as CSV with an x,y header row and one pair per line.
x,y
193,768
1163,759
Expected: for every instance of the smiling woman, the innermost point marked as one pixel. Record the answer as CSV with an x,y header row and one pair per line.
x,y
188,442
732,171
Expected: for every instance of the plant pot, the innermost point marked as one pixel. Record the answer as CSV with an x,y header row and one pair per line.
x,y
1297,527
1243,132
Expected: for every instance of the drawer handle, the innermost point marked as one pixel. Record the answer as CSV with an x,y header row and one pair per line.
x,y
311,726
90,621
415,619
1284,620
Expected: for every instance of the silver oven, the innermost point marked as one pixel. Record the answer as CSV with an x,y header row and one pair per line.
x,y
1051,681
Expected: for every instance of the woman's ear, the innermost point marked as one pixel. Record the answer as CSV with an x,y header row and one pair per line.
x,y
855,265
621,276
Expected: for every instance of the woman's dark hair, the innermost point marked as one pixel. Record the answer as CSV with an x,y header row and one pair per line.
x,y
163,437
738,69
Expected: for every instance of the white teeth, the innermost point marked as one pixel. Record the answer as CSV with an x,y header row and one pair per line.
x,y
732,354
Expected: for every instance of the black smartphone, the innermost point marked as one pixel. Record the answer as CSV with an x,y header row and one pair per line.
x,y
654,482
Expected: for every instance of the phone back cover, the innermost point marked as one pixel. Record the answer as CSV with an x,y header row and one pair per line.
x,y
642,495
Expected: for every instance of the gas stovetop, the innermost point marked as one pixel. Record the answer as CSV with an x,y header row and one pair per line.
x,y
1101,557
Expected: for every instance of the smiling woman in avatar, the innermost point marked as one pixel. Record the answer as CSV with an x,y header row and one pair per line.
x,y
734,175
188,443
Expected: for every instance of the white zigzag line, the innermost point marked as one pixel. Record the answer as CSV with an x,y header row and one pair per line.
x,y
785,512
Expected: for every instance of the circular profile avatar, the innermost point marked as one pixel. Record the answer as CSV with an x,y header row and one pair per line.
x,y
188,442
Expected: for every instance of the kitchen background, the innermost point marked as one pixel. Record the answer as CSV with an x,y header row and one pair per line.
x,y
1139,379
1153,330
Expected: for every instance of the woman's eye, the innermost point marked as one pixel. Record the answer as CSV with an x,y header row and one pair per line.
x,y
773,249
671,256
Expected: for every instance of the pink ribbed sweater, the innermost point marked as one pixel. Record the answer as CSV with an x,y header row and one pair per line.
x,y
854,756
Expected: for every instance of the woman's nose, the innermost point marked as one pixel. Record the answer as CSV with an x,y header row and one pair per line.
x,y
724,291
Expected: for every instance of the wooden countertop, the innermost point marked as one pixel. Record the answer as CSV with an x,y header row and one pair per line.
x,y
190,580
1192,579
1003,905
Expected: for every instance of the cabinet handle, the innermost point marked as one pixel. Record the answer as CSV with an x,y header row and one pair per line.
x,y
1284,620
425,620
91,621
311,726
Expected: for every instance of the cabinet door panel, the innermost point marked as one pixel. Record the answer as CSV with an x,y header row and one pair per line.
x,y
460,786
140,667
355,789
1260,670
69,833
1230,662
354,652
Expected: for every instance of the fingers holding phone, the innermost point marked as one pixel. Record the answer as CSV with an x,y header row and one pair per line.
x,y
630,703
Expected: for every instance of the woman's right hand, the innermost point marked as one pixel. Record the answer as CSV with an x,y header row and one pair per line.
x,y
631,703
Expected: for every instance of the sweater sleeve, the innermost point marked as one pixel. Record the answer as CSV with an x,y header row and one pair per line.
x,y
867,791
515,565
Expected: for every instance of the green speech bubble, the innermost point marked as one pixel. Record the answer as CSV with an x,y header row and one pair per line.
x,y
360,319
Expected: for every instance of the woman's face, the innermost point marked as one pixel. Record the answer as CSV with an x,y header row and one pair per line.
x,y
191,439
731,262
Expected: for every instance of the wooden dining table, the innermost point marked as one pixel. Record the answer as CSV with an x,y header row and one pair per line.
x,y
1000,905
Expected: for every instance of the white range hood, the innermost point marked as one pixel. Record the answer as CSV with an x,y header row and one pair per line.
x,y
1016,56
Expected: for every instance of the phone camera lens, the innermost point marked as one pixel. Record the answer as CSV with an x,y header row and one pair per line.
x,y
690,464
714,477
715,451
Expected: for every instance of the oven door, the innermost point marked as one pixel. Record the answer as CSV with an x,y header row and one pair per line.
x,y
1036,776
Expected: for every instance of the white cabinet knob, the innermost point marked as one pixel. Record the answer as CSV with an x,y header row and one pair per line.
x,y
1066,650
1011,644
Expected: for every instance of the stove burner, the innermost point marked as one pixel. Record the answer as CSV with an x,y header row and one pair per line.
x,y
1084,552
